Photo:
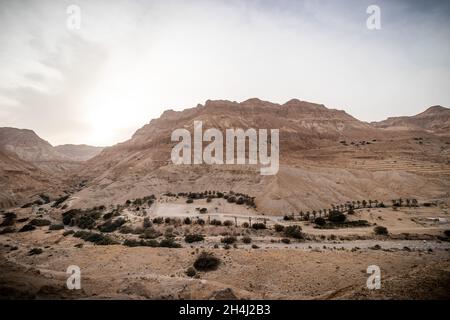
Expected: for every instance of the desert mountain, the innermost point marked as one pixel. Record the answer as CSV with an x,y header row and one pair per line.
x,y
435,119
78,152
326,156
27,145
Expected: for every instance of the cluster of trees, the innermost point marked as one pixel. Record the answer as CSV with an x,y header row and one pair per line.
x,y
231,197
407,202
149,200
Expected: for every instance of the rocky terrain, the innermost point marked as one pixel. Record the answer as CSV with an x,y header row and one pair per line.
x,y
348,194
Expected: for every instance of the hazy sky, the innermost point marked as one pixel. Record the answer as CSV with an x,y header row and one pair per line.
x,y
131,60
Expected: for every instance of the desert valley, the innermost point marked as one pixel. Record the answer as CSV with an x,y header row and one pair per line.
x,y
348,194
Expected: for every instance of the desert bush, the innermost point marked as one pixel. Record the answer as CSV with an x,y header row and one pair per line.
x,y
94,237
190,200
215,222
190,238
294,231
200,221
60,201
231,199
203,210
187,220
190,272
447,233
167,220
7,230
246,239
35,251
140,243
206,262
278,228
228,223
258,226
336,216
8,219
40,222
56,227
150,233
286,240
379,230
320,221
228,239
245,225
27,227
67,232
288,218
147,223
169,243
254,246
240,201
111,226
158,220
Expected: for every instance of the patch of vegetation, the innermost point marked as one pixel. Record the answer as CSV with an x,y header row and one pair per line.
x,y
278,228
254,246
94,237
7,230
8,219
40,222
190,238
346,224
150,233
286,240
294,231
336,217
141,243
215,222
190,200
206,262
35,251
258,226
246,240
320,221
169,243
447,233
228,239
191,272
59,201
27,227
111,225
67,232
56,227
228,223
158,220
379,230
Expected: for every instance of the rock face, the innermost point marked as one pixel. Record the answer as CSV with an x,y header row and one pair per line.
x,y
435,119
78,152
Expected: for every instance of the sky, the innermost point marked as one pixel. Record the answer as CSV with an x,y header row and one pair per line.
x,y
131,60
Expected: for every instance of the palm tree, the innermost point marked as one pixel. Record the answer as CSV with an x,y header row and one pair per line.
x,y
376,203
359,203
400,201
301,215
408,203
314,214
364,203
370,203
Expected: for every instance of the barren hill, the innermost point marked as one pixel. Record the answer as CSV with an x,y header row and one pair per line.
x,y
326,156
435,119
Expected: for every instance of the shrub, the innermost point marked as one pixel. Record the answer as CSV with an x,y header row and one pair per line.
x,y
203,210
286,240
56,227
40,222
254,246
189,200
228,239
215,222
8,219
187,220
379,230
140,243
447,233
206,262
336,216
111,226
60,200
147,223
287,218
200,221
35,251
7,230
240,201
246,239
231,199
245,225
294,231
278,228
158,220
190,238
169,243
320,221
27,227
209,199
190,272
258,226
96,238
228,223
67,232
167,220
150,233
